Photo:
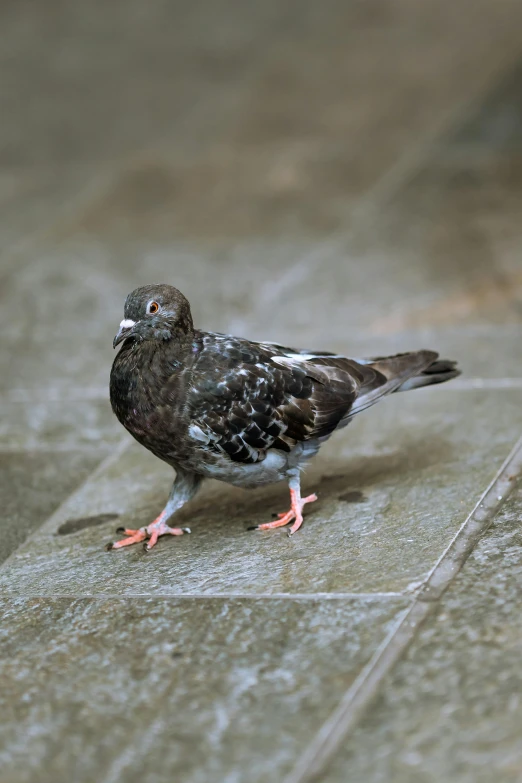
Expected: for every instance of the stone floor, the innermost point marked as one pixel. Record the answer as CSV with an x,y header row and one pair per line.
x,y
339,175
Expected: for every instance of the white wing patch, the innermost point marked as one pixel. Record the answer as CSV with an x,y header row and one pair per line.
x,y
197,433
304,357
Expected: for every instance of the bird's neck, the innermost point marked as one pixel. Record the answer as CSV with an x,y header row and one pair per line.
x,y
143,371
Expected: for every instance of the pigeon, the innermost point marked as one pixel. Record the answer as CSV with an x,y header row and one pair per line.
x,y
247,413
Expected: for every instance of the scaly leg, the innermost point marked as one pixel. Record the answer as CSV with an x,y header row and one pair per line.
x,y
183,489
296,509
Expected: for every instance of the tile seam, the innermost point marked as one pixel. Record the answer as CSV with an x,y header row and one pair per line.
x,y
224,596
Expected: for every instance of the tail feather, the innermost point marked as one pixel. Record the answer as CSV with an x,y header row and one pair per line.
x,y
439,371
403,372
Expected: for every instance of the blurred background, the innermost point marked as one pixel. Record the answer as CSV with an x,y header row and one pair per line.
x,y
341,175
302,171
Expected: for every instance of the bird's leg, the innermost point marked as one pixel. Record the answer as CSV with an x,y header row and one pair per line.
x,y
296,508
183,489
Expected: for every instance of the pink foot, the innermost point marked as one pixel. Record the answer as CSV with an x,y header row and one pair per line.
x,y
152,532
296,512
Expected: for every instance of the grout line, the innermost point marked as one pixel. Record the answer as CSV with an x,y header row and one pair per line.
x,y
224,596
102,466
465,539
312,764
468,384
97,394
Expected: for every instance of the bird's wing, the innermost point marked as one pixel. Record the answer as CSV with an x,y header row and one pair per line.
x,y
244,398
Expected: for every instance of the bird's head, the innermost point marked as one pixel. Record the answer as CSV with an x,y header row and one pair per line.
x,y
155,312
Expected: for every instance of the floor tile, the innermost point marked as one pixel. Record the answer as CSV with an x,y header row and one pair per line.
x,y
452,709
495,126
62,425
33,485
191,690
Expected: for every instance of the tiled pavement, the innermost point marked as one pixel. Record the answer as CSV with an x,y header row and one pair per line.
x,y
342,175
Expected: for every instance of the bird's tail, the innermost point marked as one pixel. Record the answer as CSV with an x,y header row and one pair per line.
x,y
402,372
439,371
412,370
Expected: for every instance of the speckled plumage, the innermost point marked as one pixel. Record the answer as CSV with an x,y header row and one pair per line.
x,y
247,413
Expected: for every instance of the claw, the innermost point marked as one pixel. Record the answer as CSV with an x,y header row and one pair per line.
x,y
296,513
152,532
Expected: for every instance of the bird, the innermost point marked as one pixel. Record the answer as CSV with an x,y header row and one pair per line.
x,y
247,413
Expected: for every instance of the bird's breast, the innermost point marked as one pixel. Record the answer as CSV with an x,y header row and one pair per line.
x,y
147,401
129,402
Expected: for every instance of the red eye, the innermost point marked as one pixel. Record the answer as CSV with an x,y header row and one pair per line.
x,y
153,307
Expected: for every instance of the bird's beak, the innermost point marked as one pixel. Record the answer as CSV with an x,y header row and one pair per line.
x,y
124,331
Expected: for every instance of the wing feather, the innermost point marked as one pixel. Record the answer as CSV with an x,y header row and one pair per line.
x,y
249,397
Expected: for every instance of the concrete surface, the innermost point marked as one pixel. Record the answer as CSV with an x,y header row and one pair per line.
x,y
342,175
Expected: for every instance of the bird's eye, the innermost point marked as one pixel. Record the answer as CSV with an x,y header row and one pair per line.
x,y
152,307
